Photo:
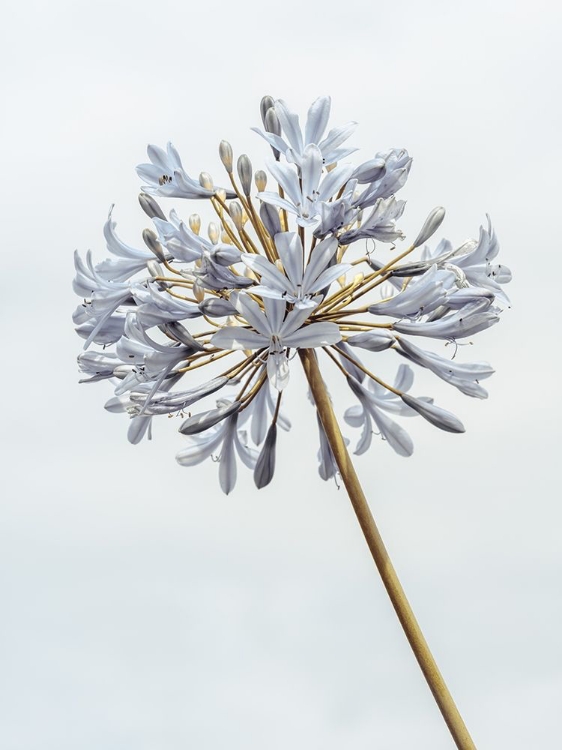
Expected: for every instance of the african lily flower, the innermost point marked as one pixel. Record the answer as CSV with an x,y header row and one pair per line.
x,y
285,270
256,289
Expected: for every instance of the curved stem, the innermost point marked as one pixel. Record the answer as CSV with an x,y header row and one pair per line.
x,y
380,555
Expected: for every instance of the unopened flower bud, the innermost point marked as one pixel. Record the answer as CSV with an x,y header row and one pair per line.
x,y
373,341
225,153
411,269
226,256
370,171
201,422
432,224
434,414
260,178
245,173
213,232
265,465
180,333
195,223
150,207
272,125
271,122
151,241
221,194
206,181
270,218
236,214
215,307
198,291
266,104
121,371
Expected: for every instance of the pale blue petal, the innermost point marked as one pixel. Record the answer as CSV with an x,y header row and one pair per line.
x,y
311,171
252,312
263,291
290,124
364,442
236,337
202,448
395,435
354,415
294,320
290,251
317,119
315,334
274,140
319,260
275,312
404,378
336,137
248,455
333,181
275,199
288,179
138,428
328,277
270,275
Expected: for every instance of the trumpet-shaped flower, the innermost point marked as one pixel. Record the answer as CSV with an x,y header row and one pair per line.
x,y
296,285
294,144
226,437
166,176
374,401
130,260
422,295
306,190
380,224
274,332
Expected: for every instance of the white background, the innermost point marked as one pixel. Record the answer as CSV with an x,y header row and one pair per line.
x,y
141,608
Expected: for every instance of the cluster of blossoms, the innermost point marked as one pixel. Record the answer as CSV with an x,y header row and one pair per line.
x,y
273,275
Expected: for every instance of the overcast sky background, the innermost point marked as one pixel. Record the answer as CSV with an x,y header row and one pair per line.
x,y
141,608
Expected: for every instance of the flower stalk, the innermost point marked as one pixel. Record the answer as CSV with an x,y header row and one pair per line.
x,y
380,555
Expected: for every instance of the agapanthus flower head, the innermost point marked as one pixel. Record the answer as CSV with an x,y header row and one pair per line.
x,y
286,263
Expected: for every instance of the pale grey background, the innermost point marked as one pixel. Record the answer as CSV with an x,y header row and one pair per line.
x,y
141,609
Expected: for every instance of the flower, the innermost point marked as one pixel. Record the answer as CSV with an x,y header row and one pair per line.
x,y
210,321
294,144
374,401
227,437
307,190
166,176
275,332
131,260
380,224
296,285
